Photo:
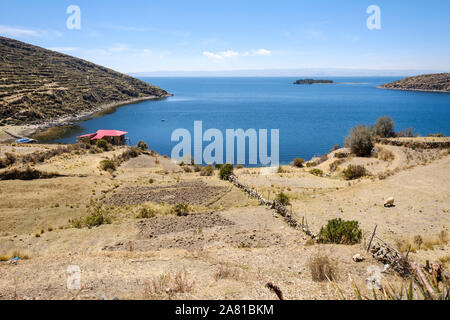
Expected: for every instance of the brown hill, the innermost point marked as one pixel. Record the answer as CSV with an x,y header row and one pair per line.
x,y
438,82
38,85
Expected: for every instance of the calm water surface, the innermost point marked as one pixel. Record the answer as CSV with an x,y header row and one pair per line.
x,y
311,118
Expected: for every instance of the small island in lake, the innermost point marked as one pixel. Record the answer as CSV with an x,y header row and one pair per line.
x,y
436,82
312,81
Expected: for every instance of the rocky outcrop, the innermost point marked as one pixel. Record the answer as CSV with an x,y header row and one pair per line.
x,y
439,82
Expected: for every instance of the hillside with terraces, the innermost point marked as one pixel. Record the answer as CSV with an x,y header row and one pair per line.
x,y
37,85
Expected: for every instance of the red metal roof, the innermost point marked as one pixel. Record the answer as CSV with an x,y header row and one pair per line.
x,y
104,133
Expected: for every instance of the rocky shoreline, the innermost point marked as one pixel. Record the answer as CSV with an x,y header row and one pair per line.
x,y
28,130
439,83
417,90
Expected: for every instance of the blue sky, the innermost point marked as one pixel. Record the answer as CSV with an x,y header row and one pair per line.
x,y
142,36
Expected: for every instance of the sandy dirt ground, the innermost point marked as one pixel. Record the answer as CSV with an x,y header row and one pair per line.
x,y
228,247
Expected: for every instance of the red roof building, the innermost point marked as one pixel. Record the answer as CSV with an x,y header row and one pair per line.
x,y
115,137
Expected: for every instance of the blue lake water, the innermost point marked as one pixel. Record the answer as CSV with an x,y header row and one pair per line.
x,y
311,118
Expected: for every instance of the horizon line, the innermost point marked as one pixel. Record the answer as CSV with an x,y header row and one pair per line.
x,y
293,72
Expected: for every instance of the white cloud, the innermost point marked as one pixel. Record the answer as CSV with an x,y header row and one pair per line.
x,y
262,52
17,32
233,54
229,54
212,56
64,49
259,52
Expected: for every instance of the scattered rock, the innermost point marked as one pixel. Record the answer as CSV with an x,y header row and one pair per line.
x,y
389,203
358,258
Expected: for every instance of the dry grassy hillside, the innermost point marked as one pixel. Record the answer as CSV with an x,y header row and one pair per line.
x,y
38,85
131,239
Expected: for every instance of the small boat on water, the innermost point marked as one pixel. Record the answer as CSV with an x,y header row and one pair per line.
x,y
25,140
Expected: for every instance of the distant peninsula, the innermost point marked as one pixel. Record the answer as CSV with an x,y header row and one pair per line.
x,y
436,82
312,81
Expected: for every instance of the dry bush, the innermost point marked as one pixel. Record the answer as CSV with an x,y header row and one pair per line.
x,y
409,133
360,141
9,160
298,162
108,165
384,127
385,174
384,154
419,242
334,166
142,145
317,172
354,172
322,267
27,174
227,272
146,213
168,285
341,155
207,171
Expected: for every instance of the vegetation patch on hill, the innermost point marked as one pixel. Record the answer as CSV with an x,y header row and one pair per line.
x,y
38,85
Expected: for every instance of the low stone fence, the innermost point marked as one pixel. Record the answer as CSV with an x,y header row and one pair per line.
x,y
274,205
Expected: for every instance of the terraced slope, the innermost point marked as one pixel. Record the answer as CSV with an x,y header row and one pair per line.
x,y
439,82
37,84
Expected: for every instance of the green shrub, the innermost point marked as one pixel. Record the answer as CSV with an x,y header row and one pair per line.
x,y
283,198
97,217
181,209
77,223
218,166
298,162
207,171
226,171
142,145
354,172
197,168
360,141
341,232
108,165
102,144
316,172
384,127
146,213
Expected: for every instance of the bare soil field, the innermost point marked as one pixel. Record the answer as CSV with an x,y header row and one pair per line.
x,y
226,246
190,192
